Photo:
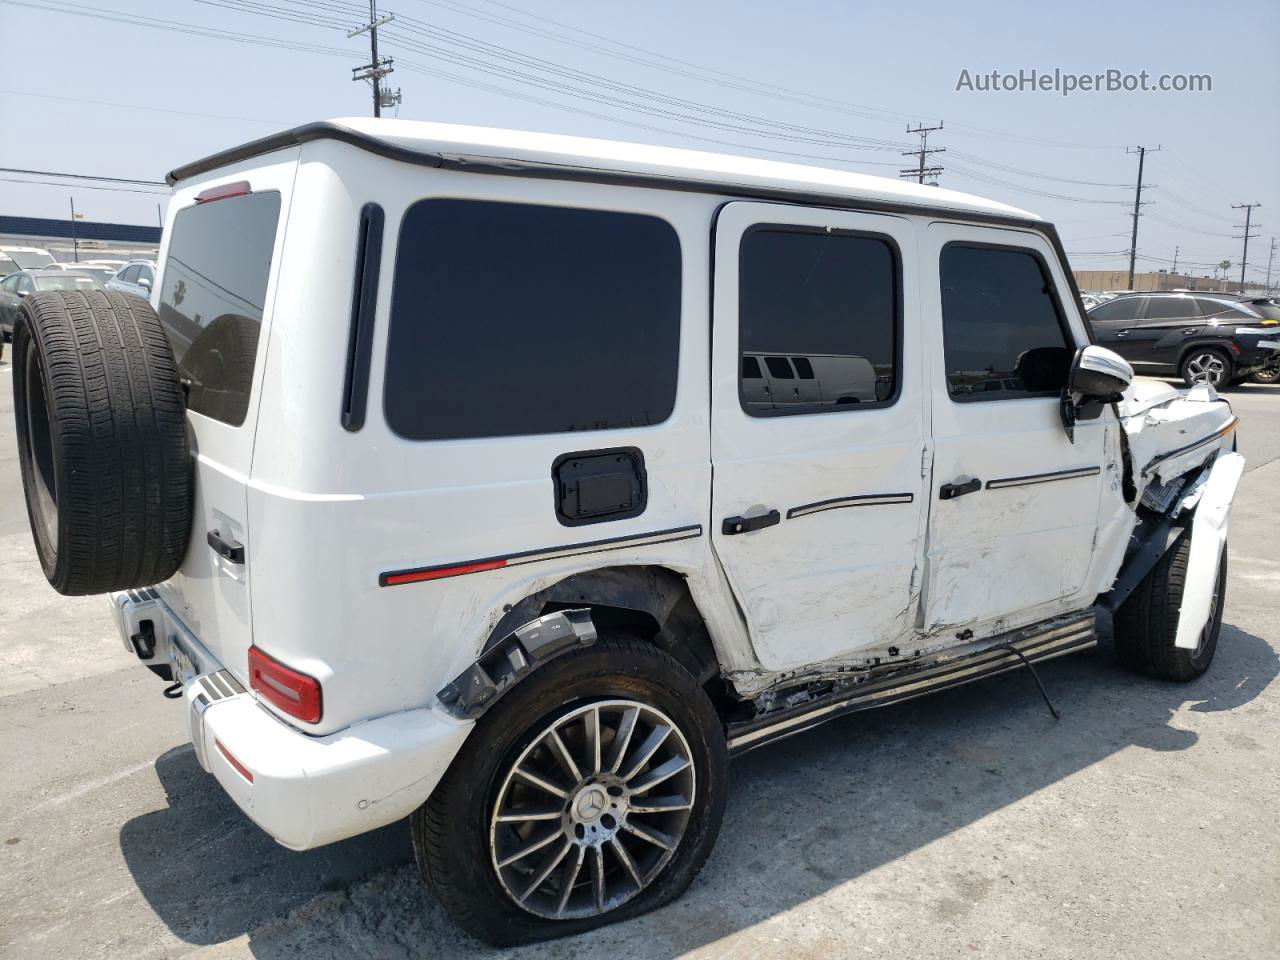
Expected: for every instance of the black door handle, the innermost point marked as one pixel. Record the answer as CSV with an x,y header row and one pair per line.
x,y
734,525
949,491
232,552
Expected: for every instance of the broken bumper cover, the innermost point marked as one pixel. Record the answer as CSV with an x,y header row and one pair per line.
x,y
304,791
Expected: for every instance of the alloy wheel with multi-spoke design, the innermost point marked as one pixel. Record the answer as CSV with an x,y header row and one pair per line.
x,y
1207,368
592,810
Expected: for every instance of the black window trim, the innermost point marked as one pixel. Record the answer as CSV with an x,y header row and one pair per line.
x,y
807,410
681,316
364,301
1063,323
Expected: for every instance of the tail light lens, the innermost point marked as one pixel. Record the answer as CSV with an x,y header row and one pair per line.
x,y
295,693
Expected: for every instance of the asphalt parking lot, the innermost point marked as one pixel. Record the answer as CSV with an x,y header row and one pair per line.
x,y
1143,824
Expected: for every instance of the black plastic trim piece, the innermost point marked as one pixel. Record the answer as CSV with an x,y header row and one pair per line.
x,y
364,301
860,500
693,531
1003,482
232,551
736,525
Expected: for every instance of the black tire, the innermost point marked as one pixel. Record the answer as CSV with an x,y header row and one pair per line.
x,y
102,441
1267,375
451,831
1217,366
1147,623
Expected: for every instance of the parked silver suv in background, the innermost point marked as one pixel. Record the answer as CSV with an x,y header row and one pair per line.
x,y
136,277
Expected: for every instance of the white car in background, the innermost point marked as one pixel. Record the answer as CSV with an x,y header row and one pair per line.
x,y
13,259
136,277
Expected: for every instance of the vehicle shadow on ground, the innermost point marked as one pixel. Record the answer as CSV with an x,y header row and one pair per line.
x,y
804,816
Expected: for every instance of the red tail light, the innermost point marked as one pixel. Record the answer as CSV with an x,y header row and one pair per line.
x,y
237,189
295,693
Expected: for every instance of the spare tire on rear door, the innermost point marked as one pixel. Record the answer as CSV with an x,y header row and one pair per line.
x,y
102,440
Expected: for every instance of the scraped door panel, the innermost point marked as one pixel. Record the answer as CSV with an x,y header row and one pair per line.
x,y
817,430
1014,503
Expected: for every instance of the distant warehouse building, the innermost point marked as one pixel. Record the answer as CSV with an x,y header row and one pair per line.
x,y
1099,280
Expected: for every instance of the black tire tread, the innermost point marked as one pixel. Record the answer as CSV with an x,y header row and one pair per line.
x,y
1146,624
118,432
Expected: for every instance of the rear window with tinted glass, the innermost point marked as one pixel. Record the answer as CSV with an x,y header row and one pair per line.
x,y
212,297
512,319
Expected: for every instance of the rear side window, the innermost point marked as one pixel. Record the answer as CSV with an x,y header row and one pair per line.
x,y
212,298
1116,310
513,319
1217,310
1002,330
1171,308
830,303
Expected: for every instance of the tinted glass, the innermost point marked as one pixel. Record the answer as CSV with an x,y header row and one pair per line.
x,y
130,274
1002,334
1220,311
510,319
212,298
1123,309
1171,308
830,302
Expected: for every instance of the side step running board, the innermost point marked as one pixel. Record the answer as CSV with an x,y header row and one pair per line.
x,y
951,668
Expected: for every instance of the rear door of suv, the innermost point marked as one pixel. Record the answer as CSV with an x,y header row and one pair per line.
x,y
214,297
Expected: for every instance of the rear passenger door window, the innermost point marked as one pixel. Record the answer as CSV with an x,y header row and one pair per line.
x,y
820,310
1003,328
512,319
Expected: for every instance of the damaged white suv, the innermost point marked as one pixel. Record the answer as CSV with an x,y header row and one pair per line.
x,y
513,482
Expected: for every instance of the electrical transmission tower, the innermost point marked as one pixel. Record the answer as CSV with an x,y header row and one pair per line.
x,y
1137,205
919,172
376,68
1245,235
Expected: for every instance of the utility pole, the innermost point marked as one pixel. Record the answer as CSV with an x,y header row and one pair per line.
x,y
919,172
1271,256
1137,205
1244,256
376,68
1175,259
75,243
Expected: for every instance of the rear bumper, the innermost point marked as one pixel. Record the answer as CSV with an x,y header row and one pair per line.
x,y
305,791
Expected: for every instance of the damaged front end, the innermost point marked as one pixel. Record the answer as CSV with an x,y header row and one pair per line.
x,y
1180,476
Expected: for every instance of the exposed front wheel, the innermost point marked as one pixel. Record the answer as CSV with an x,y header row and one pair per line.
x,y
1147,623
1207,365
1269,374
590,793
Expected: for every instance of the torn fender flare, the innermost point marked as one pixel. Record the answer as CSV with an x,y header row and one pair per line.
x,y
1208,536
513,658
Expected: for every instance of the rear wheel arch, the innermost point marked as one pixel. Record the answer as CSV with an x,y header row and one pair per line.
x,y
650,602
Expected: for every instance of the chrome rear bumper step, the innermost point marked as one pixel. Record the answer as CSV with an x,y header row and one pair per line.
x,y
951,668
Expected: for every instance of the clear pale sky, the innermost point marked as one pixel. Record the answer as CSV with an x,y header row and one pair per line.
x,y
88,95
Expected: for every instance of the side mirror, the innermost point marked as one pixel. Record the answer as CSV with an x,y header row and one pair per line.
x,y
1098,376
144,283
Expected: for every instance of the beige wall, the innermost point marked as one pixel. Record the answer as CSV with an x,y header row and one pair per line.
x,y
1099,280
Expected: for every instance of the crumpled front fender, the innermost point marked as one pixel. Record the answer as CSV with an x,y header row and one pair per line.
x,y
1208,536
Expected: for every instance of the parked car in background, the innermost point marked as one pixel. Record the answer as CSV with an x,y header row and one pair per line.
x,y
136,277
27,258
18,286
1218,339
7,265
101,271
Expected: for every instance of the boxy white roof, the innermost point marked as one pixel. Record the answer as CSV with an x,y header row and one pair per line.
x,y
638,159
494,149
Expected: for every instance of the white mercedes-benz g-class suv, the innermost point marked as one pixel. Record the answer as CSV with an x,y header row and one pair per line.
x,y
514,482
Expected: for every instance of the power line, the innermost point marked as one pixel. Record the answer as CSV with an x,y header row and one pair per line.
x,y
81,176
376,68
83,186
